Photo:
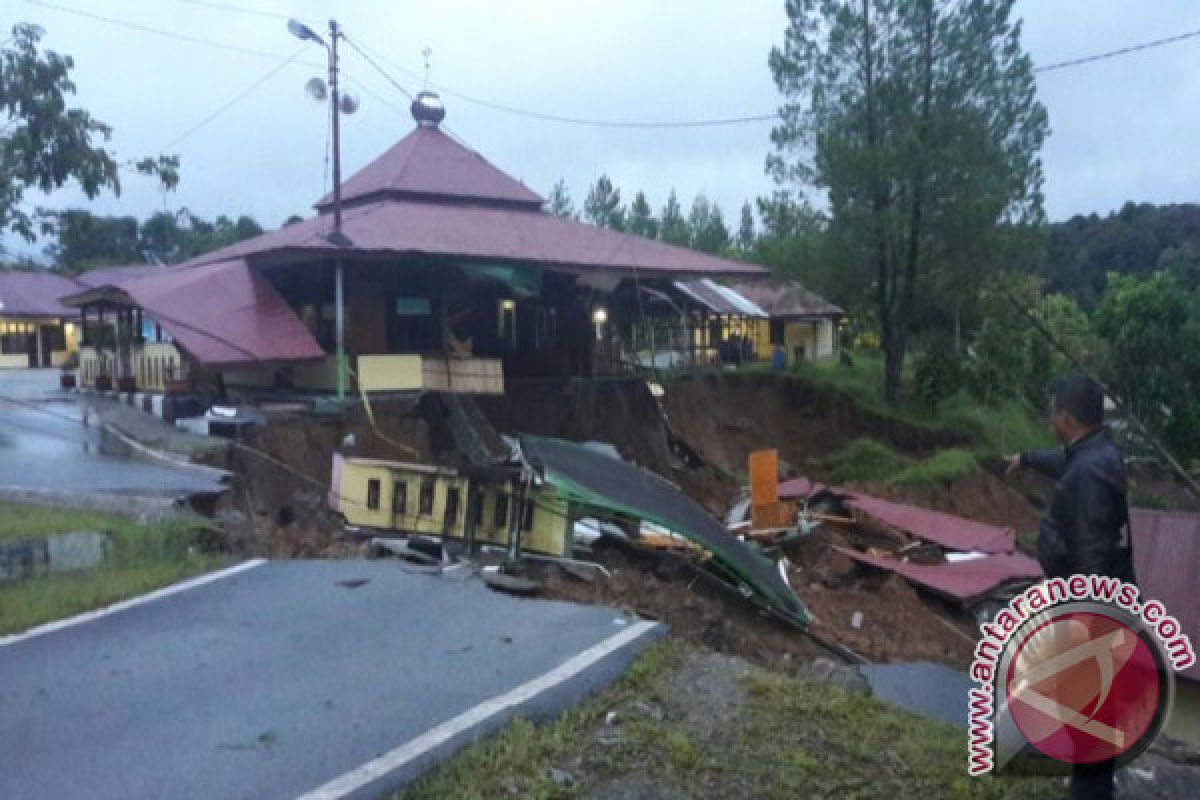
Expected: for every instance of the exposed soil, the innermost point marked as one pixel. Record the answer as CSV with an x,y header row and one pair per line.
x,y
726,416
710,425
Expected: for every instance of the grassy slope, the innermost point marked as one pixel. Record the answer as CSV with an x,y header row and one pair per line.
x,y
793,739
143,557
990,430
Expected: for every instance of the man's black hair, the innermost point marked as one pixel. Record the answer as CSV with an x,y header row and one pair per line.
x,y
1082,397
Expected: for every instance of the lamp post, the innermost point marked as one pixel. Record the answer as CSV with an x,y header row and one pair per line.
x,y
305,33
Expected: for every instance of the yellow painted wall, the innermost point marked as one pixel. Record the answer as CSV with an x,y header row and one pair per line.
x,y
795,334
377,373
550,533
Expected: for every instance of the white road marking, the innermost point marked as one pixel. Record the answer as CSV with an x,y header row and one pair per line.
x,y
142,599
389,762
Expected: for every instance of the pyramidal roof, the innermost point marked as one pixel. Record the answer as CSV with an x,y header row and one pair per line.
x,y
429,165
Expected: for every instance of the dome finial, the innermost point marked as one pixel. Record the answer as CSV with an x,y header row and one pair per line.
x,y
427,109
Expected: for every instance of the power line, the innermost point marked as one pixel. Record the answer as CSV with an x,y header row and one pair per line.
x,y
236,98
1121,52
183,37
377,68
530,113
258,12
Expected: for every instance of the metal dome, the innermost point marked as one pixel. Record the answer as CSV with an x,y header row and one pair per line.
x,y
427,109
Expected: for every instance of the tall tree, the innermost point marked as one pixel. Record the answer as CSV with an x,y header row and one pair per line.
x,y
672,227
746,235
560,201
707,225
603,205
641,218
920,121
44,144
1152,329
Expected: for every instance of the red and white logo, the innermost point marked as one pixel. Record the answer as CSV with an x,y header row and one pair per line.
x,y
1085,686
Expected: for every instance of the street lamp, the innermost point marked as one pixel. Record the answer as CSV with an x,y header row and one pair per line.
x,y
338,105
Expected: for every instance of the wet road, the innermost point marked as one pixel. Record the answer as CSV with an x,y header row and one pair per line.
x,y
45,445
352,677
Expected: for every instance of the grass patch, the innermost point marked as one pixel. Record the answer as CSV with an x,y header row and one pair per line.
x,y
516,762
144,556
943,466
792,738
993,429
865,460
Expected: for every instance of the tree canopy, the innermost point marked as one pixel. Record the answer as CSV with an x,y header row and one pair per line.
x,y
44,144
85,241
919,120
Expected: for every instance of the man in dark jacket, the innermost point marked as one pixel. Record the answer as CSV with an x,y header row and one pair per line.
x,y
1086,529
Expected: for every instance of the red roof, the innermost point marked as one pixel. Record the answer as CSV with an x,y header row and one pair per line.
x,y
948,530
963,581
429,164
224,314
35,294
117,276
1166,553
400,227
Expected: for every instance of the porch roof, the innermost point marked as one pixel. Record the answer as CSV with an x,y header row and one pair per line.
x,y
35,294
719,299
222,314
786,299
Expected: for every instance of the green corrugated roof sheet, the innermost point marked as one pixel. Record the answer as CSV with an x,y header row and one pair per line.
x,y
603,483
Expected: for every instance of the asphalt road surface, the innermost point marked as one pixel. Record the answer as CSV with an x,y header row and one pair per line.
x,y
44,445
343,678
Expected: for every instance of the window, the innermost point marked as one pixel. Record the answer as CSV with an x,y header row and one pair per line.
x,y
506,321
373,494
500,516
425,504
527,517
777,335
450,518
399,498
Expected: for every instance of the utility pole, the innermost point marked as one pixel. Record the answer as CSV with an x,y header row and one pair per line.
x,y
304,33
339,288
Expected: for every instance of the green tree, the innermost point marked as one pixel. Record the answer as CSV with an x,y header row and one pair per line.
x,y
672,226
84,240
641,218
1152,330
746,235
560,201
919,119
603,205
44,144
707,225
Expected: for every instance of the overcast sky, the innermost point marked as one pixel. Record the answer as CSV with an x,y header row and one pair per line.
x,y
1122,129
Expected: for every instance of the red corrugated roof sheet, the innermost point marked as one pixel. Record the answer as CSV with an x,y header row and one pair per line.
x,y
428,162
964,581
798,488
224,314
35,294
1166,555
481,234
954,533
117,276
